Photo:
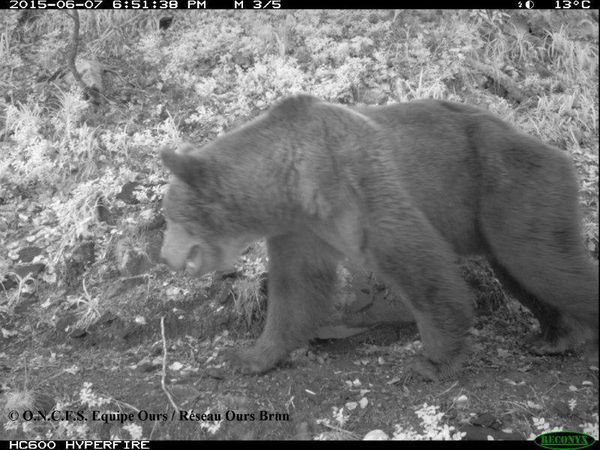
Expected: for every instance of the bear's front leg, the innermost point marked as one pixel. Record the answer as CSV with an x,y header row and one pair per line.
x,y
302,274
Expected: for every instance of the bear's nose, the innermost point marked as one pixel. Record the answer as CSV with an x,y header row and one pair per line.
x,y
164,259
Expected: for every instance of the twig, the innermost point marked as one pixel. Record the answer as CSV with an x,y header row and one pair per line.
x,y
129,405
114,72
73,52
341,430
447,390
514,93
164,366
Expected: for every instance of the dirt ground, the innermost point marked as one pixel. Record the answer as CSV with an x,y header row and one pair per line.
x,y
336,389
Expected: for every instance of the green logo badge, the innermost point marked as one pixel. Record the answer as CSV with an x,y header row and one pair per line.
x,y
564,440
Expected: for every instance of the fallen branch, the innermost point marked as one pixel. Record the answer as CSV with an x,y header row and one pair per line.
x,y
164,366
73,53
502,80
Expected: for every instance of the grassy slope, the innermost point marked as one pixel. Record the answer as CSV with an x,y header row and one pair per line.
x,y
206,73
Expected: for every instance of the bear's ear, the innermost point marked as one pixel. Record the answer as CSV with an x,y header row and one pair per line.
x,y
184,166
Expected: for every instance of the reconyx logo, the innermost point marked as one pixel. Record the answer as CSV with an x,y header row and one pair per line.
x,y
564,440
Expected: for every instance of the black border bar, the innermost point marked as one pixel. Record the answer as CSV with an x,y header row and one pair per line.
x,y
165,5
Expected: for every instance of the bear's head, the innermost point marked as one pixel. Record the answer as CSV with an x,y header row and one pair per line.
x,y
198,238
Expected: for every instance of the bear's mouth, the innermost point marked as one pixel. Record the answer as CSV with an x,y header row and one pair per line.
x,y
191,262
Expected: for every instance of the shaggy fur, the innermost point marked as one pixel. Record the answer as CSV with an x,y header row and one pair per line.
x,y
400,189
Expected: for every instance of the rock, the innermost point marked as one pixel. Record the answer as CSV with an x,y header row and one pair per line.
x,y
81,258
165,22
8,283
487,420
131,261
216,373
156,349
126,194
85,253
562,408
146,366
462,401
78,333
103,214
376,435
303,432
25,270
27,254
477,433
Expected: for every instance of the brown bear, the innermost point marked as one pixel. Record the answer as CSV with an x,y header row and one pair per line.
x,y
401,190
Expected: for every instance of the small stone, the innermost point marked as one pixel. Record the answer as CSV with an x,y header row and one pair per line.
x,y
462,401
376,435
215,372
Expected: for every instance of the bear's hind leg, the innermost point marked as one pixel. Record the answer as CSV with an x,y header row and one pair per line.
x,y
531,225
568,313
557,334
